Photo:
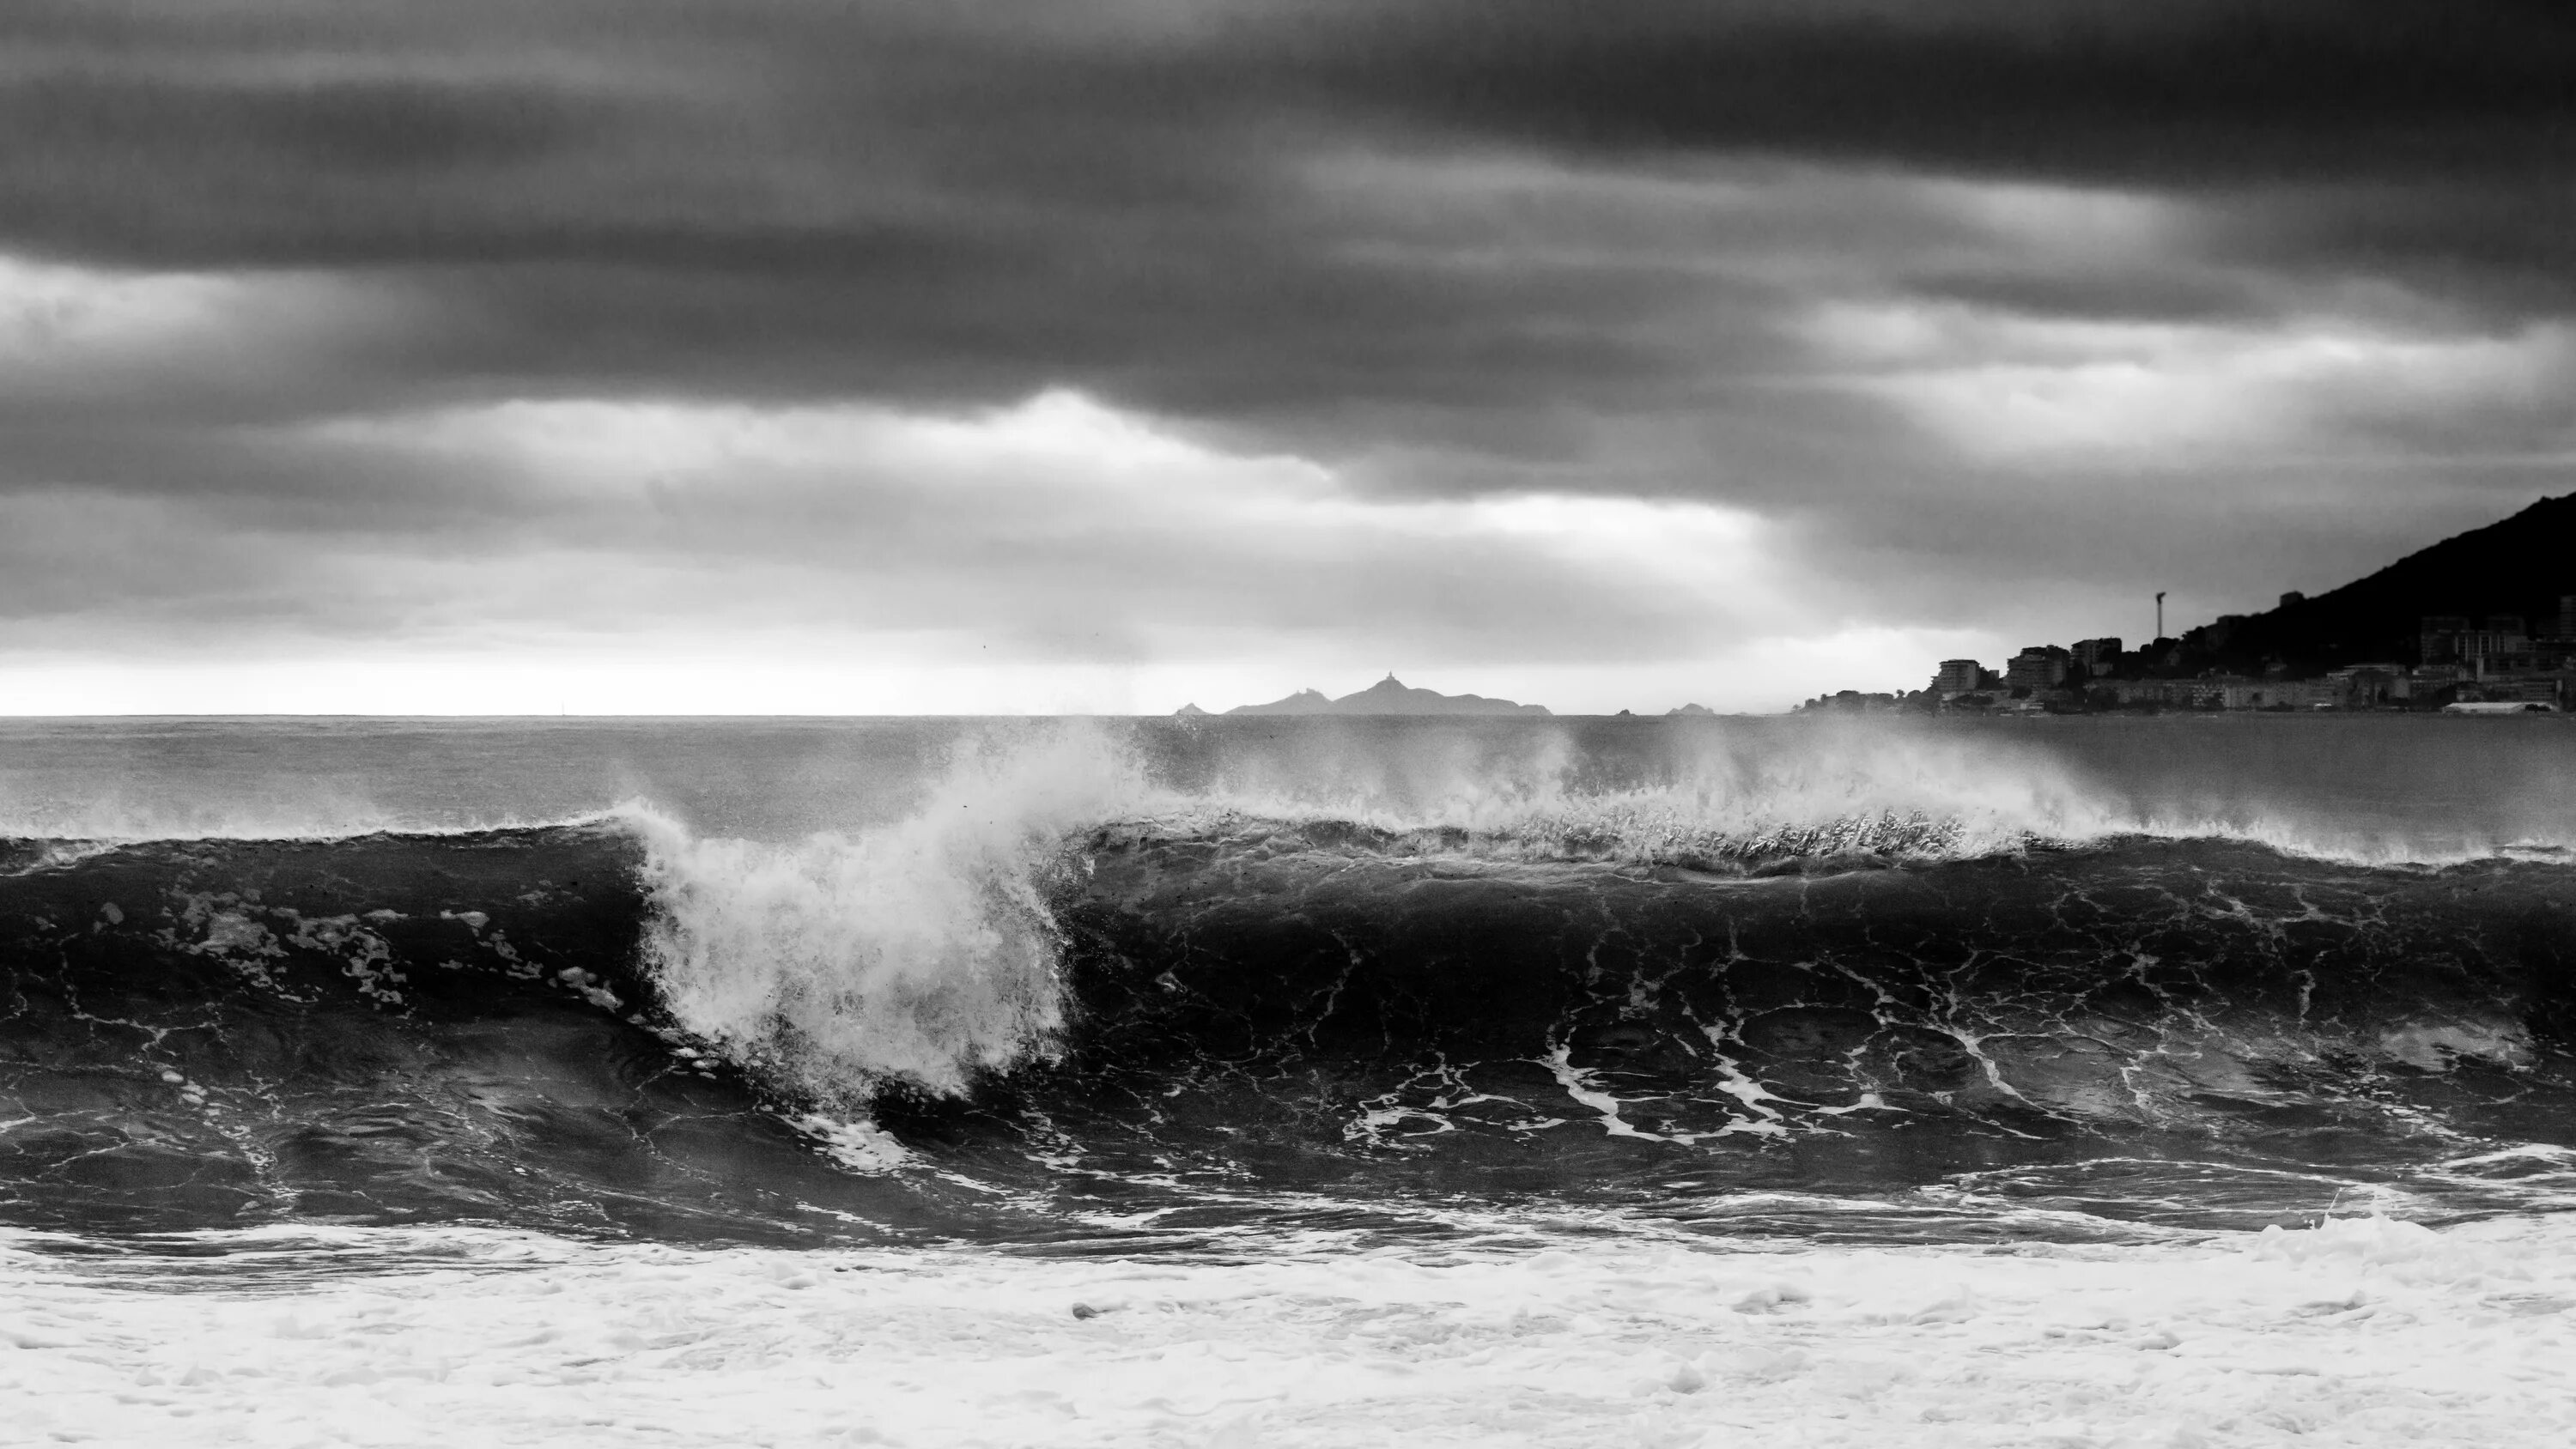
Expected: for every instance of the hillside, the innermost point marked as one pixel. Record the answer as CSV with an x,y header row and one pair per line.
x,y
2521,565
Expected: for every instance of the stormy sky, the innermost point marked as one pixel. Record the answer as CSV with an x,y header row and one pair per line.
x,y
879,356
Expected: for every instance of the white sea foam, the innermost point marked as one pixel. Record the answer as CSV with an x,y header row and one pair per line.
x,y
919,952
2359,1333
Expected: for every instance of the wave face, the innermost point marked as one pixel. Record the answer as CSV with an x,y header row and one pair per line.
x,y
374,1028
1066,981
1440,1021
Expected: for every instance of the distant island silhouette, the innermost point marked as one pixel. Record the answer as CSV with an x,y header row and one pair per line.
x,y
1388,696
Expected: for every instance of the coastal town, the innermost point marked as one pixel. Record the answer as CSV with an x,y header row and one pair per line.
x,y
2483,622
2497,663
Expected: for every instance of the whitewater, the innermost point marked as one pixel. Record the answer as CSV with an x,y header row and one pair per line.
x,y
2167,1081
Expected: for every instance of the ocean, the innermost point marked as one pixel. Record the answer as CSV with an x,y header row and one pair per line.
x,y
2176,1080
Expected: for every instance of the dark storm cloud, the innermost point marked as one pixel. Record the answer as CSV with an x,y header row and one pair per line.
x,y
2191,92
812,198
1980,296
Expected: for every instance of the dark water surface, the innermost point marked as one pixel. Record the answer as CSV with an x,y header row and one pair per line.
x,y
1084,984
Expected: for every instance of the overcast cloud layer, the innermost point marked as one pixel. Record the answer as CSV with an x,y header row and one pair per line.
x,y
1098,354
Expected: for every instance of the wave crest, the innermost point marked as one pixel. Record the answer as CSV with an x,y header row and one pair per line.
x,y
918,953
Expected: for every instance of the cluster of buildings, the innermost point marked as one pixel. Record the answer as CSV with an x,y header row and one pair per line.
x,y
2496,663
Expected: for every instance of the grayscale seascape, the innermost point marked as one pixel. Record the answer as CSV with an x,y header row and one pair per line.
x,y
313,1002
1288,724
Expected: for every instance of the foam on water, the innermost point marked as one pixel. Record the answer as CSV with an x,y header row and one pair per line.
x,y
2356,1332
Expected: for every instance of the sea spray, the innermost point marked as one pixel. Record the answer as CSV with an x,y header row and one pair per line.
x,y
1696,796
919,953
1733,793
1681,792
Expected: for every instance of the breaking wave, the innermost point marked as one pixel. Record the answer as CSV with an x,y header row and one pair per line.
x,y
1449,965
922,952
